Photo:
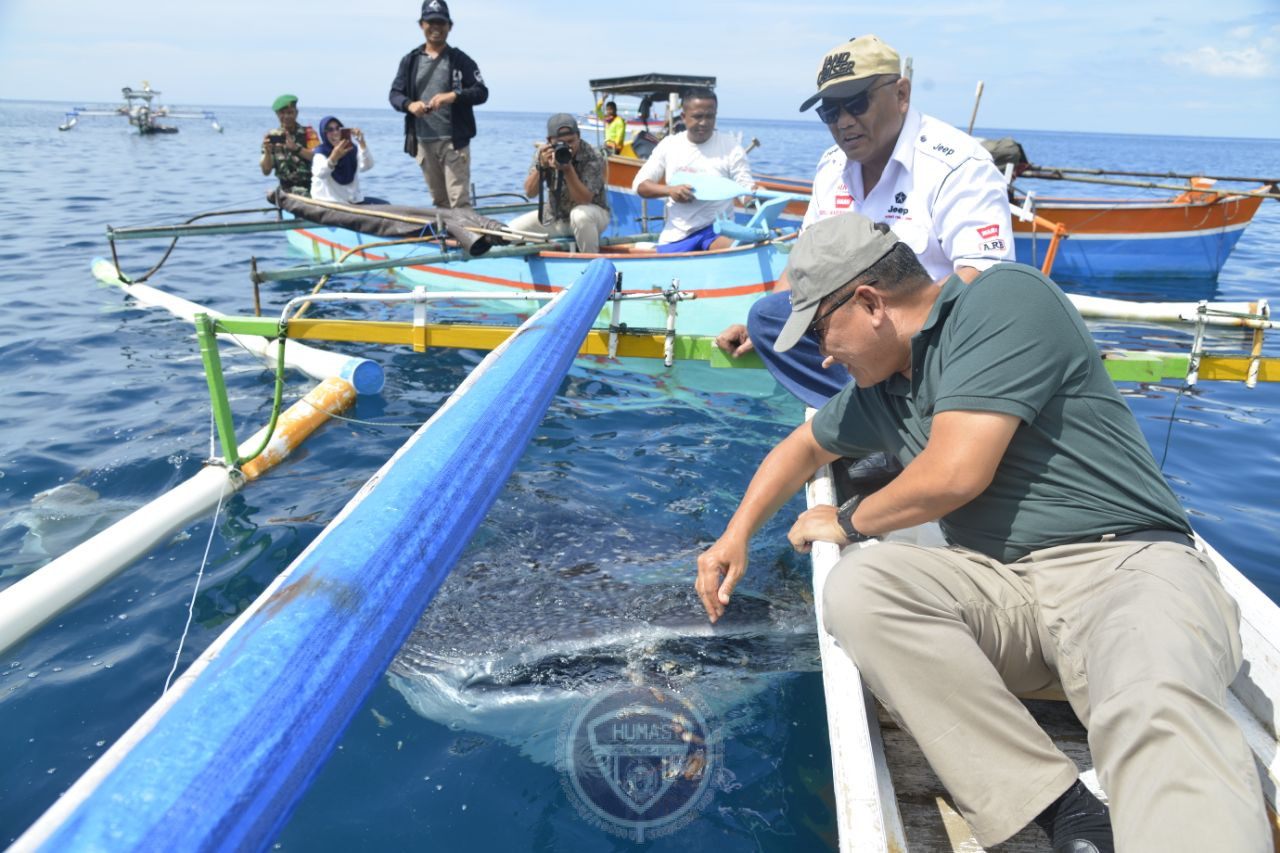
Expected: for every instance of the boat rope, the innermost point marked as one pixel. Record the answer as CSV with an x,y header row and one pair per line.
x,y
115,259
1193,375
204,561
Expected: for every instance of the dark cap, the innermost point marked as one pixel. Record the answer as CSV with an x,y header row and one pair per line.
x,y
828,255
560,120
435,10
852,67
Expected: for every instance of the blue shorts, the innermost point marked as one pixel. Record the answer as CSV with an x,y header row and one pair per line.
x,y
698,241
799,369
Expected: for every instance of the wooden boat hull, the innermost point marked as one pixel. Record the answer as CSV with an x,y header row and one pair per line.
x,y
1106,238
723,283
1118,238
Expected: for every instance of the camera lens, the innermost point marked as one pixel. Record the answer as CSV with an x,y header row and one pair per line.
x,y
562,153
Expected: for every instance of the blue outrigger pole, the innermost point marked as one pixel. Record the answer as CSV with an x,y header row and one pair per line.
x,y
222,758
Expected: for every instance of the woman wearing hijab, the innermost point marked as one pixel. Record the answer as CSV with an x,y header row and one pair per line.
x,y
337,160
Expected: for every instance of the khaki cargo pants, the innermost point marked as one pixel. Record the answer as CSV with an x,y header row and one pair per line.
x,y
1142,639
447,171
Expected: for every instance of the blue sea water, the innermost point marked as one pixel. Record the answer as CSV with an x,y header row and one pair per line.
x,y
105,407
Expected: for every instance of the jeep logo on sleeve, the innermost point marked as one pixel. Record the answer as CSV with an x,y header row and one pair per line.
x,y
835,65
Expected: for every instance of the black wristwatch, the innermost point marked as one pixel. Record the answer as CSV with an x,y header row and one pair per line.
x,y
844,517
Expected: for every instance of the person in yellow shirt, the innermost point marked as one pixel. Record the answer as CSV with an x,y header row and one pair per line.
x,y
615,129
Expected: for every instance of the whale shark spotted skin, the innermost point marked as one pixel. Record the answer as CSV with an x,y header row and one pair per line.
x,y
513,652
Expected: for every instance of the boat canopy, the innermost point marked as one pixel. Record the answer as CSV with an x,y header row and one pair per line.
x,y
653,85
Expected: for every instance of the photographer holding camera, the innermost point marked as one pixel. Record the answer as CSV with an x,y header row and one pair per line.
x,y
568,178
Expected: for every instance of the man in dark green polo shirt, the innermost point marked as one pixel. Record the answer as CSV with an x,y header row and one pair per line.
x,y
1069,564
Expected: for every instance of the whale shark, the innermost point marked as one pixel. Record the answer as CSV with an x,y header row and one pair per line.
x,y
513,645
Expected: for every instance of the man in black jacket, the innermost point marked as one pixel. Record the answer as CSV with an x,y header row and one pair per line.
x,y
436,87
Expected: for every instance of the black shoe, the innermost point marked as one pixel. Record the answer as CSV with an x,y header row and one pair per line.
x,y
1078,822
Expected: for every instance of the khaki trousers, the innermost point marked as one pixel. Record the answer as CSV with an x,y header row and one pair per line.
x,y
1142,639
447,171
585,223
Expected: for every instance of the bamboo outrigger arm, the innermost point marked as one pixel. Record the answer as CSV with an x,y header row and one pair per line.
x,y
1176,175
1268,191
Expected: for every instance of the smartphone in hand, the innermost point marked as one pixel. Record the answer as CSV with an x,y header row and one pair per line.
x,y
345,134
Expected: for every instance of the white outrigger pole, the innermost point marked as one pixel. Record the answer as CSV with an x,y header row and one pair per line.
x,y
35,599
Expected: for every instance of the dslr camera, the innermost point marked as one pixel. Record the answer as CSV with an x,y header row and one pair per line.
x,y
561,153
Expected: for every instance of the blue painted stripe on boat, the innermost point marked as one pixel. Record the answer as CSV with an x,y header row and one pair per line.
x,y
1192,256
223,766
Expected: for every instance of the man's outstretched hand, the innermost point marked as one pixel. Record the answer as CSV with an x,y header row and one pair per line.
x,y
735,341
720,567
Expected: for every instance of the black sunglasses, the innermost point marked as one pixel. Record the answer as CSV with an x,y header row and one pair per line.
x,y
818,329
829,111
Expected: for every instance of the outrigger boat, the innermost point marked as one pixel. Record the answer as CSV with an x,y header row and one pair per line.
x,y
222,757
641,94
141,113
701,288
1186,236
682,296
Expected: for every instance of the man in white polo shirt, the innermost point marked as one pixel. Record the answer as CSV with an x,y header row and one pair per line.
x,y
699,149
934,185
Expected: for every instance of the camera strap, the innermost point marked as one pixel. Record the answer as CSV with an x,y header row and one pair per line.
x,y
431,72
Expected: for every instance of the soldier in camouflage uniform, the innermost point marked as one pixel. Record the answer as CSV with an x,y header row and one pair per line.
x,y
287,150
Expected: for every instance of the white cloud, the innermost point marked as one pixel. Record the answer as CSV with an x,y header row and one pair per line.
x,y
1245,63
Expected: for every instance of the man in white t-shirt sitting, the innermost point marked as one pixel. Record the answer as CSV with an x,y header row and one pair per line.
x,y
700,150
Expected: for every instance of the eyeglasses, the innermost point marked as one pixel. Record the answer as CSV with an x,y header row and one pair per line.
x,y
818,329
333,128
829,111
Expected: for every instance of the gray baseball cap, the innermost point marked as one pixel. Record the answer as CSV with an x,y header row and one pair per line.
x,y
561,120
827,256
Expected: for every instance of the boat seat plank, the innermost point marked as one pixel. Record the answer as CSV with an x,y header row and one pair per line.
x,y
929,818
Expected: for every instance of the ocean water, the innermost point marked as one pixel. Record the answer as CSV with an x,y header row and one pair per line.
x,y
591,543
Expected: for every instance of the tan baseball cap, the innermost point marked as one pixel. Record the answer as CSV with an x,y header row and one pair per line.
x,y
829,254
852,68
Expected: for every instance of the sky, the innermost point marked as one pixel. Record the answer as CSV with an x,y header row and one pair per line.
x,y
1167,68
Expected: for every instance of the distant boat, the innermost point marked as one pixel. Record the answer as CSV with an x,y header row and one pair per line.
x,y
141,113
